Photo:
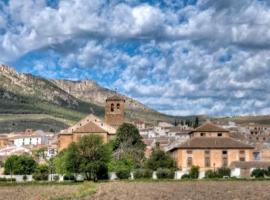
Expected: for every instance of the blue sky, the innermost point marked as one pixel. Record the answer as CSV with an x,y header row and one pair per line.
x,y
179,57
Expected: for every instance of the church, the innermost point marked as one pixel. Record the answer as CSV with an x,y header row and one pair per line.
x,y
114,117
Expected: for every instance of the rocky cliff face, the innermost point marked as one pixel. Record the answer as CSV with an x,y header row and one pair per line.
x,y
90,91
59,92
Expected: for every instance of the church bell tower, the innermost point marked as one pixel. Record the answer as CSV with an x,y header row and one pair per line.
x,y
114,110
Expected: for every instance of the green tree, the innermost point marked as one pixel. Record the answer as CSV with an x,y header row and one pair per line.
x,y
128,143
194,172
41,173
59,162
159,159
196,123
72,160
20,165
93,155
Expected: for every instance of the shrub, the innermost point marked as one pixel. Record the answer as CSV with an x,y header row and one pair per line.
x,y
24,178
160,159
123,173
223,171
185,176
194,172
69,177
165,173
7,179
41,173
143,173
211,174
258,173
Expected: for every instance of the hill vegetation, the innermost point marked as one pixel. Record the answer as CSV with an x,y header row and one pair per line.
x,y
28,101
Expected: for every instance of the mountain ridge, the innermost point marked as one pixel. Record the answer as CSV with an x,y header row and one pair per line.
x,y
22,93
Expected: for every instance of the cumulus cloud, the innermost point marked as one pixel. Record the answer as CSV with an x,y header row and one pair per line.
x,y
180,57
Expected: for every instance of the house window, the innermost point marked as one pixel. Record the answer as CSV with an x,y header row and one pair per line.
x,y
224,152
118,106
202,134
189,161
242,156
207,161
189,152
207,152
112,107
219,134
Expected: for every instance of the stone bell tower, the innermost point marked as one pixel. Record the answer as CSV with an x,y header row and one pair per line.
x,y
114,110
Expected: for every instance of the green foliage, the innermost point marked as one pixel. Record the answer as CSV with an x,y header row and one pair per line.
x,y
143,173
24,178
89,156
123,163
258,173
4,179
20,165
69,177
186,176
194,172
220,173
59,162
41,173
128,143
224,171
211,174
196,123
163,173
123,173
159,159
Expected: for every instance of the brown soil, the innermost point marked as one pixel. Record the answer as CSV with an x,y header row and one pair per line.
x,y
194,190
36,192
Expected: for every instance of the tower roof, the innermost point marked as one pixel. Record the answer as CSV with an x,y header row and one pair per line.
x,y
115,98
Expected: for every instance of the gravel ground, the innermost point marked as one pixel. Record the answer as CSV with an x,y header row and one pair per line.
x,y
193,190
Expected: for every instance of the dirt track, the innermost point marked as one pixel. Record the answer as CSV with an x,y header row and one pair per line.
x,y
196,190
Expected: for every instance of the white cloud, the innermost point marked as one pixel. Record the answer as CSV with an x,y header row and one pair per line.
x,y
209,58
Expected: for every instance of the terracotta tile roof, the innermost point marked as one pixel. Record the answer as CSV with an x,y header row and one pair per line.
x,y
213,143
209,127
90,127
250,164
115,98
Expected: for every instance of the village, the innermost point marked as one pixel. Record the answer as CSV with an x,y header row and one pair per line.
x,y
210,146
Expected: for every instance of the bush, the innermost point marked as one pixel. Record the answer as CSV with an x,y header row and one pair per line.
x,y
7,179
223,171
194,172
123,173
160,159
258,173
165,173
41,173
211,174
143,173
185,176
24,178
69,177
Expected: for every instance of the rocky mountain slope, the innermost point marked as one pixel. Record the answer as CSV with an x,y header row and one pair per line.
x,y
57,100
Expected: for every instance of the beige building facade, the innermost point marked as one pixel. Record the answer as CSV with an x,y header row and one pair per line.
x,y
210,147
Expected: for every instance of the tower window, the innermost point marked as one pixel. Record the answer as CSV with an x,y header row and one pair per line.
x,y
219,134
112,107
118,106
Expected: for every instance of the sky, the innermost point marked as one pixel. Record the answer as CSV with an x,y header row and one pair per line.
x,y
180,57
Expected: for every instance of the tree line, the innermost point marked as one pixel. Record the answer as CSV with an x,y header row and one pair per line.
x,y
94,159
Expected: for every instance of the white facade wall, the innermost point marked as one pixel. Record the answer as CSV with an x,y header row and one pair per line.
x,y
24,141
